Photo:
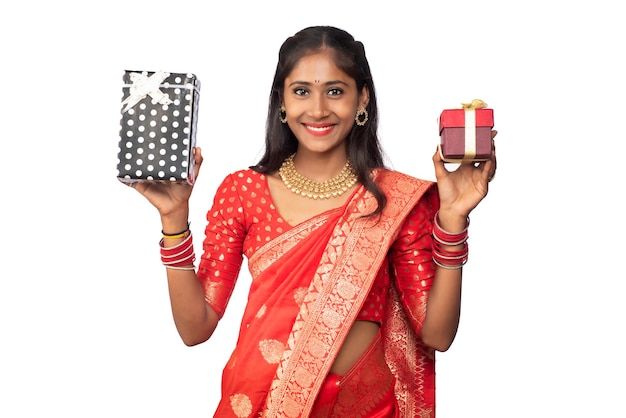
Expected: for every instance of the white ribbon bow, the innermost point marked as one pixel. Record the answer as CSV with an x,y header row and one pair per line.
x,y
146,86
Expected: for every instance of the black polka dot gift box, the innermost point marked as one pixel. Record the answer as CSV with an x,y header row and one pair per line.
x,y
158,126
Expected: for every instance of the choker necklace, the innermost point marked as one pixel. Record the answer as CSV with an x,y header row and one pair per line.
x,y
303,186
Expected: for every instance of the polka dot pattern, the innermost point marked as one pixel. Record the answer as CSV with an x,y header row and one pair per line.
x,y
156,139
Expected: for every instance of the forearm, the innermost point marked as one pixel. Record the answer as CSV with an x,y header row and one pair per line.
x,y
194,319
443,308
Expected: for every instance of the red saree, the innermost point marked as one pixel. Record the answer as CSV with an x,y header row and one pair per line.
x,y
309,283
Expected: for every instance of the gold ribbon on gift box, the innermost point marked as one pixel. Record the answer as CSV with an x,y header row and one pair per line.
x,y
470,126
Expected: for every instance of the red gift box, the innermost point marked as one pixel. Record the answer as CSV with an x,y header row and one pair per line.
x,y
465,134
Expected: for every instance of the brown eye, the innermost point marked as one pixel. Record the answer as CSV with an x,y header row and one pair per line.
x,y
300,92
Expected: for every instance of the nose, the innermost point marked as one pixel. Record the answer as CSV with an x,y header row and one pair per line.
x,y
319,107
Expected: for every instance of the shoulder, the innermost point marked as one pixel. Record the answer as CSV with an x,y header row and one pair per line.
x,y
244,177
244,184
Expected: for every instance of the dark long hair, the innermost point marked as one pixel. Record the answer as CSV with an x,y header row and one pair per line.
x,y
362,143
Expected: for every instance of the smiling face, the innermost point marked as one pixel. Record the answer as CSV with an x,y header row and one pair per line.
x,y
321,101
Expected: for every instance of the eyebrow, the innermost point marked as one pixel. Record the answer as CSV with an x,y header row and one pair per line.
x,y
328,83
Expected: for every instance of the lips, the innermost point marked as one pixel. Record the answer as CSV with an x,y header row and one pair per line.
x,y
319,129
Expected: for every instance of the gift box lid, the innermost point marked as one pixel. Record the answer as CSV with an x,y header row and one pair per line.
x,y
166,79
455,118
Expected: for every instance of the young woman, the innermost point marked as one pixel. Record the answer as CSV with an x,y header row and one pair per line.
x,y
356,268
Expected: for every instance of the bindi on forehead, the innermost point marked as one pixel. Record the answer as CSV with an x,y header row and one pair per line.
x,y
317,81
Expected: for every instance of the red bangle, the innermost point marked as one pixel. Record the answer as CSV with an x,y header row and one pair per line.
x,y
442,239
173,259
452,255
451,259
449,238
445,265
180,255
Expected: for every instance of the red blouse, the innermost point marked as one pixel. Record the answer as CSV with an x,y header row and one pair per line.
x,y
243,218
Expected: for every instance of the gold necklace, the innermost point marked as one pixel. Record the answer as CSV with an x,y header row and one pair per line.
x,y
305,187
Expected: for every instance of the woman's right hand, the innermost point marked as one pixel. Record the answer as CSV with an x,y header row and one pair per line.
x,y
169,197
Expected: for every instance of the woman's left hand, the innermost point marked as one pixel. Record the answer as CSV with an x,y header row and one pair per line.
x,y
461,190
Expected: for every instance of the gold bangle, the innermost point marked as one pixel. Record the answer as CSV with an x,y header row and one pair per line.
x,y
180,234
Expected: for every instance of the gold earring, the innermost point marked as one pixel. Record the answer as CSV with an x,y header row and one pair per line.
x,y
361,117
282,114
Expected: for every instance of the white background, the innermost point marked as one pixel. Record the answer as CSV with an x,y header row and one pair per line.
x,y
84,312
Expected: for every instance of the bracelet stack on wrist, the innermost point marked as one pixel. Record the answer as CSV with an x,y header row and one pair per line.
x,y
443,257
180,256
